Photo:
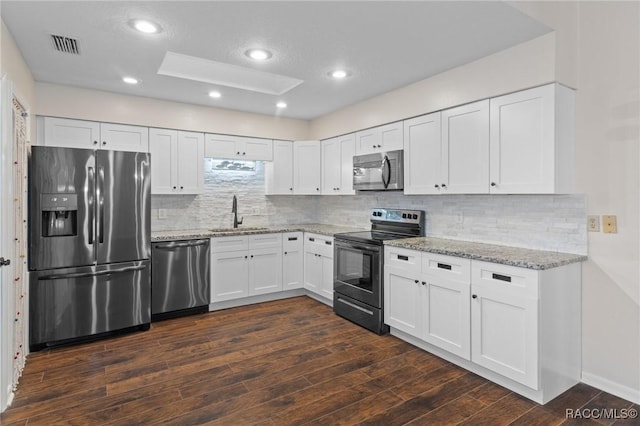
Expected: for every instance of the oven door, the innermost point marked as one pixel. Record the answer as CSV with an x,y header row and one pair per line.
x,y
358,271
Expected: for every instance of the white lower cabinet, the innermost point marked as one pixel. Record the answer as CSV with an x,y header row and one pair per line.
x,y
292,261
428,298
318,264
244,266
504,313
518,327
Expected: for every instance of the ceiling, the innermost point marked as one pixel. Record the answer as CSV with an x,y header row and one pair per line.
x,y
384,45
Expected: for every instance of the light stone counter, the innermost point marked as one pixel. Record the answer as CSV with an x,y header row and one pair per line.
x,y
189,234
514,256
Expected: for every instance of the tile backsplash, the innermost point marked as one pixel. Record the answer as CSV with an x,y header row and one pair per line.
x,y
546,222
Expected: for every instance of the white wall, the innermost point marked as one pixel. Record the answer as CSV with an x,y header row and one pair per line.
x,y
608,160
74,102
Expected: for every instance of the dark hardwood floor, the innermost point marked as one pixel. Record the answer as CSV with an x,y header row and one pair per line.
x,y
286,362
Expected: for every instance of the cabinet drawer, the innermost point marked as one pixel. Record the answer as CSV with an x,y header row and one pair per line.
x,y
505,279
452,268
261,241
292,241
408,260
234,243
319,244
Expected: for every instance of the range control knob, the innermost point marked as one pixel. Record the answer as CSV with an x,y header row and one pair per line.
x,y
415,216
404,215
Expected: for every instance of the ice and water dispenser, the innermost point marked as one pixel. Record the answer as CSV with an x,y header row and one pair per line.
x,y
59,214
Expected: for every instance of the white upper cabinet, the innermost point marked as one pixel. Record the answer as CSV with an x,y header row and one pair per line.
x,y
532,141
245,148
422,154
337,165
306,167
68,133
380,139
465,149
279,172
177,161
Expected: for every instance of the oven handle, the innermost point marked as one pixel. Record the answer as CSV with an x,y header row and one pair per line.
x,y
356,246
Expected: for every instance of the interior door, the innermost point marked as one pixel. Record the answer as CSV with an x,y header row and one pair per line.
x,y
123,216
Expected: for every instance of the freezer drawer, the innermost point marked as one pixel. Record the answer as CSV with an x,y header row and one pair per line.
x,y
72,303
180,275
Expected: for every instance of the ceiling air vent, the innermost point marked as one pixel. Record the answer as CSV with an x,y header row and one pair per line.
x,y
65,44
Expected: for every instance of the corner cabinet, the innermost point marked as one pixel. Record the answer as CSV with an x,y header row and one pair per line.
x,y
306,167
337,165
177,165
518,327
532,141
238,147
278,174
243,266
68,133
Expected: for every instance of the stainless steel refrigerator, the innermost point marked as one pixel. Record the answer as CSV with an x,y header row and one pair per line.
x,y
89,243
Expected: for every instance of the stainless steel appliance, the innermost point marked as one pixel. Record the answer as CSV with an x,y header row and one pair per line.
x,y
358,265
89,243
179,278
382,171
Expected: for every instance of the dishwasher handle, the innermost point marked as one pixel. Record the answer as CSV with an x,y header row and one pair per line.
x,y
180,244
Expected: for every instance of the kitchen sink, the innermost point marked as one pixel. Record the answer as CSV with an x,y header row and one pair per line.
x,y
239,229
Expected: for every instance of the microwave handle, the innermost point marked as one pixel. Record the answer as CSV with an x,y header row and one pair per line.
x,y
386,170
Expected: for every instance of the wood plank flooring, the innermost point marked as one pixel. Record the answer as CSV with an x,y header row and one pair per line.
x,y
289,362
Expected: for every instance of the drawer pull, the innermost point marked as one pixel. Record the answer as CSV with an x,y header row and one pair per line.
x,y
402,257
500,277
311,239
328,243
293,238
444,266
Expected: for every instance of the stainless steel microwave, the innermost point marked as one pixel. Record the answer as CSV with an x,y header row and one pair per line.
x,y
382,171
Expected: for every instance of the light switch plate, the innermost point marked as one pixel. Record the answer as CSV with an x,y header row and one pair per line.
x,y
610,224
593,223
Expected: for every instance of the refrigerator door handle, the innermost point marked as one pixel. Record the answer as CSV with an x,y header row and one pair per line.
x,y
91,196
100,209
91,274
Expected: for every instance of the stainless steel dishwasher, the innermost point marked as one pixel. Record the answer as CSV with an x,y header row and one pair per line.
x,y
179,278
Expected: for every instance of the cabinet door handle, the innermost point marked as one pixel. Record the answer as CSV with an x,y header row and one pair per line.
x,y
293,238
402,257
436,186
246,257
416,281
244,153
424,283
494,184
444,186
104,142
175,187
252,256
311,239
373,146
95,142
474,296
379,146
285,252
328,243
238,153
290,189
182,187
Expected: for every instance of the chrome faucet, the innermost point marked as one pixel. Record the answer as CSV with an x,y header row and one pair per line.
x,y
234,210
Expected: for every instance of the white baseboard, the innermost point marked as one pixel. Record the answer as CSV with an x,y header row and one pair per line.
x,y
611,387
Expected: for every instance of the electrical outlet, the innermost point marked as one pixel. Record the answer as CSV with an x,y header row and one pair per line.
x,y
610,224
162,214
593,223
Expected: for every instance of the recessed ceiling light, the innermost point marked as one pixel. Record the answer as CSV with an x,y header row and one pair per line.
x,y
258,54
281,104
339,74
130,80
146,27
215,94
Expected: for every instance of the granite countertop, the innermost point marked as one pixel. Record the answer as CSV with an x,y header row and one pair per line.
x,y
514,256
318,228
